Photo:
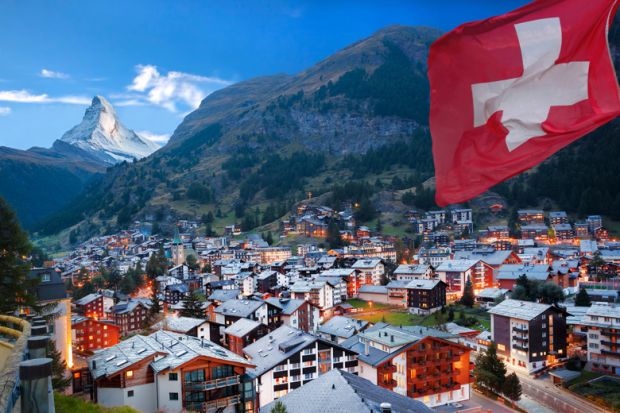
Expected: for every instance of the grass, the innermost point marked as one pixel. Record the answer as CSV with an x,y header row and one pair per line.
x,y
391,317
357,303
585,377
70,404
603,391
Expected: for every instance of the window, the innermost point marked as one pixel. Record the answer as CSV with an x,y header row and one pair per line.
x,y
501,347
195,375
174,396
129,374
173,376
130,393
45,278
221,372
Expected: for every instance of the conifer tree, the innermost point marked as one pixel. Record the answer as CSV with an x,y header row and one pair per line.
x,y
490,371
59,367
512,387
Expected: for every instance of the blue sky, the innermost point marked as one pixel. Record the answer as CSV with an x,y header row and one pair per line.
x,y
155,60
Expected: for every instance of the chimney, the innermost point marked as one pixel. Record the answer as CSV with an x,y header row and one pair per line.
x,y
385,408
367,348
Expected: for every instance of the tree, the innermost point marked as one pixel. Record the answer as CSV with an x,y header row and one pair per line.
x,y
269,238
512,387
597,262
490,371
14,247
59,367
155,306
192,262
468,294
192,306
278,407
333,236
549,293
157,264
583,299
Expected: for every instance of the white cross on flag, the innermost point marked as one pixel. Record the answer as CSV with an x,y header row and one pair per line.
x,y
509,91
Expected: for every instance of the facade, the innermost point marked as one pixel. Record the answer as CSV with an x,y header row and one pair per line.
x,y
129,315
89,334
171,372
409,272
425,368
602,324
426,296
529,336
287,359
455,274
90,305
300,314
372,270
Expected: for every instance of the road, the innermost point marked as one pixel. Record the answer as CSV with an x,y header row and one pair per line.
x,y
488,404
556,398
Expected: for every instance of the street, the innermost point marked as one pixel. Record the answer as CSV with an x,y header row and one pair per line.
x,y
555,398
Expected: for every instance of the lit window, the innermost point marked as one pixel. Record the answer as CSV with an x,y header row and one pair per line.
x,y
129,374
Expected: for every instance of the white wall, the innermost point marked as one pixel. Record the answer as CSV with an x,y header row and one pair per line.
x,y
165,387
143,399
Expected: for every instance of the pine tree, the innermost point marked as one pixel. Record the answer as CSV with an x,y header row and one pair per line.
x,y
490,371
59,367
583,299
278,407
333,236
14,245
192,307
155,306
512,387
468,294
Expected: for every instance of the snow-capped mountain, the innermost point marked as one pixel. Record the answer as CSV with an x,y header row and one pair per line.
x,y
102,135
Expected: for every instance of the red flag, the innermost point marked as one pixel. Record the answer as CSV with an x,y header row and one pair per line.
x,y
509,91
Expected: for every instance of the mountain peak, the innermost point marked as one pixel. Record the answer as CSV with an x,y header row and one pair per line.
x,y
103,135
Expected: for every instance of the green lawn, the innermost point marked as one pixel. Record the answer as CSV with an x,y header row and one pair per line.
x,y
603,391
391,317
357,303
71,404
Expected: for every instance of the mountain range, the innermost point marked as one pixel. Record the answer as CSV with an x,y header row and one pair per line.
x,y
353,128
40,181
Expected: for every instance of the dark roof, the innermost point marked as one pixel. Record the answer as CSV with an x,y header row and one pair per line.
x,y
338,391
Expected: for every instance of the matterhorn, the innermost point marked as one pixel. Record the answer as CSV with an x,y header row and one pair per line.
x,y
103,136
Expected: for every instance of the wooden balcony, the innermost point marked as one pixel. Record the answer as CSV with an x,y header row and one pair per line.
x,y
212,384
212,405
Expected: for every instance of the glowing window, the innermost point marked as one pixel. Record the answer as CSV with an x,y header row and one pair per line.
x,y
129,374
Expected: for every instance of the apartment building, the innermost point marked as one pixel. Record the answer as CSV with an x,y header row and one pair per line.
x,y
89,334
602,324
90,305
529,336
455,274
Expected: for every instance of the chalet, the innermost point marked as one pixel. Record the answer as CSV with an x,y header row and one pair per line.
x,y
531,216
602,323
455,274
372,269
242,333
287,359
412,363
594,222
534,231
232,310
300,314
89,334
509,274
266,281
498,232
409,272
374,293
338,329
563,232
397,292
488,297
319,293
129,315
426,296
195,327
529,336
175,293
354,394
558,217
50,285
90,305
172,372
434,256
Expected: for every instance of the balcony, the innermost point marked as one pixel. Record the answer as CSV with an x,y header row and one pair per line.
x,y
212,404
388,368
522,348
611,353
610,343
522,339
611,332
389,383
212,384
520,329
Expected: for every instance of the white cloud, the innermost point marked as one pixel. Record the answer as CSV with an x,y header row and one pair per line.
x,y
4,111
174,87
23,96
160,139
52,74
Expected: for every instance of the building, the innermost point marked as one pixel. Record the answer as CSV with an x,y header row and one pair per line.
x,y
372,270
339,328
531,216
508,275
409,272
455,274
602,323
535,231
195,327
288,358
242,333
130,315
343,392
488,297
414,363
177,249
529,336
563,232
558,217
300,314
258,310
426,296
171,372
374,294
89,334
90,305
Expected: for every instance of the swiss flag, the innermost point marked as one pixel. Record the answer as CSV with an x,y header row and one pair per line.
x,y
509,91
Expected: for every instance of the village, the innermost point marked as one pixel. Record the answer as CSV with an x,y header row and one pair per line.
x,y
206,323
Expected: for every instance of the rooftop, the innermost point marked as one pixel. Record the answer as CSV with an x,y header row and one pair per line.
x,y
343,327
178,324
338,391
88,299
239,308
522,310
242,327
